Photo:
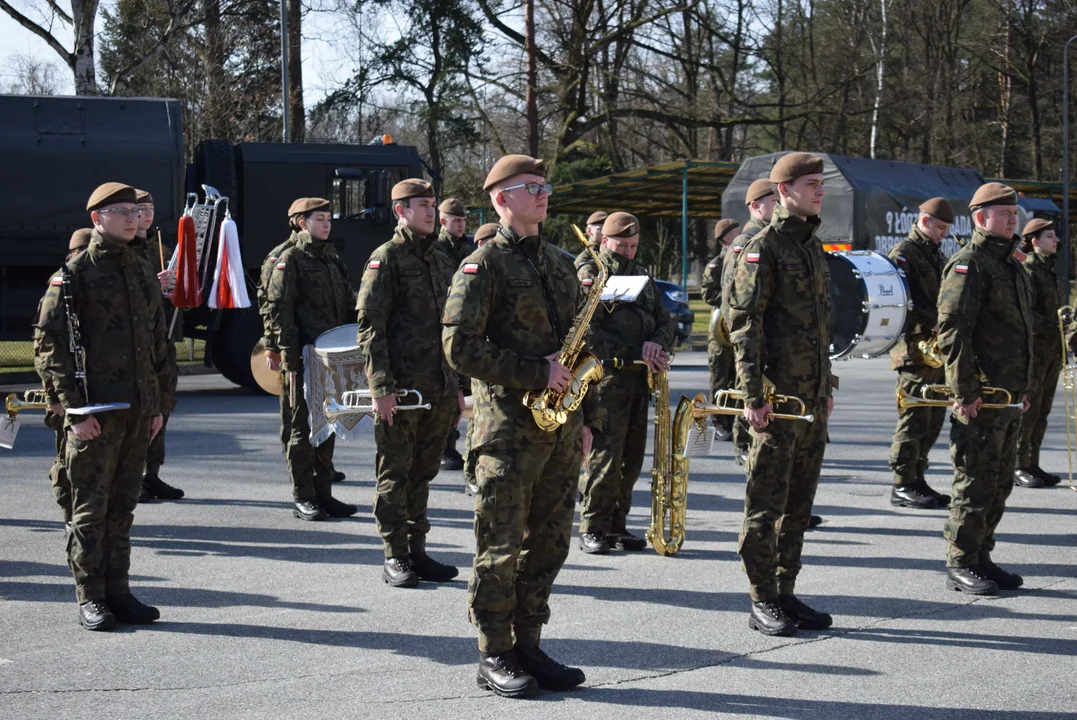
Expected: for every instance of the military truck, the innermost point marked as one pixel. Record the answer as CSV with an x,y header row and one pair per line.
x,y
59,148
872,204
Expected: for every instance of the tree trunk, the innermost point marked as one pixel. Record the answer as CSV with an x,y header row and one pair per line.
x,y
84,16
296,115
879,75
532,80
216,103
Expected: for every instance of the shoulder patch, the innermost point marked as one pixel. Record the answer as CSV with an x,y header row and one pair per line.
x,y
588,282
711,266
900,258
272,258
752,257
374,264
470,268
961,269
737,248
56,281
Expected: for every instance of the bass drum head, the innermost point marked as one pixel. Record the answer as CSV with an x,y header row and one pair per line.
x,y
847,296
266,378
340,338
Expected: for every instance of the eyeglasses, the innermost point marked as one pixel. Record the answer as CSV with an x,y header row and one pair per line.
x,y
533,188
123,212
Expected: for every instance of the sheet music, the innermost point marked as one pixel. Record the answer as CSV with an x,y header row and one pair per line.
x,y
624,288
9,428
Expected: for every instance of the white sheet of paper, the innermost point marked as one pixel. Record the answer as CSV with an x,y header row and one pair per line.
x,y
102,407
624,288
9,428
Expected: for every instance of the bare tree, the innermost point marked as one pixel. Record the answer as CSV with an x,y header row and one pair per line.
x,y
32,76
81,20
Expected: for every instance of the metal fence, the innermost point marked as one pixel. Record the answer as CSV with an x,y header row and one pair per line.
x,y
18,356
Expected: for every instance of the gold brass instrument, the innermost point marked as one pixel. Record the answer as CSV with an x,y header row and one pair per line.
x,y
929,351
905,400
724,399
1069,388
361,402
719,331
549,407
33,399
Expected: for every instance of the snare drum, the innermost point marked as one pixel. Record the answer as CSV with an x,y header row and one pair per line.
x,y
331,366
868,303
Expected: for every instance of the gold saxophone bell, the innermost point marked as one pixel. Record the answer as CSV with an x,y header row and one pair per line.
x,y
34,399
361,402
929,351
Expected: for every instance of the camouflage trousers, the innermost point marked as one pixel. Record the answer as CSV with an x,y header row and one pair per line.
x,y
310,468
783,472
155,454
917,428
470,456
742,435
61,487
106,477
409,457
984,451
615,461
1041,397
720,361
523,528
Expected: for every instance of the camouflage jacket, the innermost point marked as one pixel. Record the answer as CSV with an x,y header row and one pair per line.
x,y
401,301
920,258
619,329
456,249
499,330
985,318
269,333
729,262
779,312
711,285
584,258
1048,295
308,294
122,323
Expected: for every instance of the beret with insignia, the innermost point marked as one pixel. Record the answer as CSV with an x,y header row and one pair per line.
x,y
597,218
452,206
993,193
80,239
758,190
412,188
109,194
620,224
486,232
795,165
302,206
1035,226
143,196
938,208
722,227
512,165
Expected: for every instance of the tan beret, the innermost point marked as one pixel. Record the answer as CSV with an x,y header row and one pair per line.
x,y
597,218
512,165
620,224
1036,225
80,239
938,208
758,190
302,206
111,193
722,227
795,165
143,196
993,193
452,206
412,188
485,232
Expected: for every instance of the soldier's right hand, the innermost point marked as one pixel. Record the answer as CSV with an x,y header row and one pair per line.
x,y
971,410
385,406
560,376
57,409
273,360
88,429
758,418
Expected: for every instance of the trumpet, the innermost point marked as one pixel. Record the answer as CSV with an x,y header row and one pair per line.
x,y
33,399
361,402
723,400
905,400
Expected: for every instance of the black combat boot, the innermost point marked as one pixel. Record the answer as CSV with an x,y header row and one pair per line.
x,y
309,510
972,580
144,495
129,609
337,509
624,540
503,675
593,544
769,618
805,617
550,674
338,476
398,572
917,495
95,615
814,521
452,460
429,569
1025,478
1049,480
158,488
1005,580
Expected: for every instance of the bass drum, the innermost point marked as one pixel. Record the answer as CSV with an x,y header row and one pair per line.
x,y
332,366
868,303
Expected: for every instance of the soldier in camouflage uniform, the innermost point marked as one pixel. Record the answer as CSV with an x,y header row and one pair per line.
x,y
308,293
594,233
986,335
630,331
511,305
719,357
296,222
760,199
145,246
779,311
917,429
454,244
400,303
122,326
54,416
482,236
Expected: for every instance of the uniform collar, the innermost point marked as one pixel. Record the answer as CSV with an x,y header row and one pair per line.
x,y
787,223
445,236
421,246
618,264
1048,262
103,245
994,245
312,245
917,235
531,244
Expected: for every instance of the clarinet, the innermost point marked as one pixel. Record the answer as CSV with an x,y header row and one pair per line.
x,y
74,335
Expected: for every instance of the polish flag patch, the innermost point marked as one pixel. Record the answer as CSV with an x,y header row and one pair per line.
x,y
588,282
711,266
272,259
961,269
751,257
470,268
56,281
737,248
901,259
374,264
281,266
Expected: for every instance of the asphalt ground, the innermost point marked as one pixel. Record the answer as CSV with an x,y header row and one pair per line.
x,y
265,616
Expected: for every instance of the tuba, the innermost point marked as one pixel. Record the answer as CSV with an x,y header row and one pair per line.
x,y
549,407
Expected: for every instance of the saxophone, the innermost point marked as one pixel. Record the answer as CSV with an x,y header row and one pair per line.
x,y
551,408
669,476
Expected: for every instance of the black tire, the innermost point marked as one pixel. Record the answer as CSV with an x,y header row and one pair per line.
x,y
232,343
215,161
